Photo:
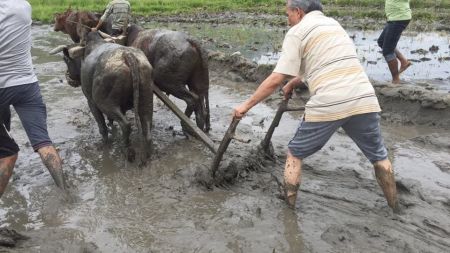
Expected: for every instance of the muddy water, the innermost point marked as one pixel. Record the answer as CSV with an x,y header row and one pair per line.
x,y
117,207
429,51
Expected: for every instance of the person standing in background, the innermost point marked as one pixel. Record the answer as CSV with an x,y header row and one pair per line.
x,y
120,13
398,14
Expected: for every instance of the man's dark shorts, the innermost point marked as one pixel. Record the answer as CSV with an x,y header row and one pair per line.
x,y
8,146
27,102
364,129
390,36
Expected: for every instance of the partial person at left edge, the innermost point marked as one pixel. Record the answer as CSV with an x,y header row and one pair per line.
x,y
19,88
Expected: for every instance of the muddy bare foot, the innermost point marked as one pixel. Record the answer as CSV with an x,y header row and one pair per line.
x,y
397,82
287,192
9,237
403,67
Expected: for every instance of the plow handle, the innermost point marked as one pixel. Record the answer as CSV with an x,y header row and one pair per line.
x,y
224,144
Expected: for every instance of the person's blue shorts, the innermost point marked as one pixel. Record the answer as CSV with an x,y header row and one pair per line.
x,y
364,129
390,36
8,146
27,102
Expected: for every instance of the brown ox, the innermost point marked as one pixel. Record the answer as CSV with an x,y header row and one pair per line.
x,y
178,61
77,23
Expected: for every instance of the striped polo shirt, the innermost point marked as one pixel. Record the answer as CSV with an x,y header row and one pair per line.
x,y
320,51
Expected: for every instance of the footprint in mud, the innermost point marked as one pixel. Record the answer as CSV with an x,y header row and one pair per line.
x,y
410,193
435,228
443,166
9,237
361,238
446,204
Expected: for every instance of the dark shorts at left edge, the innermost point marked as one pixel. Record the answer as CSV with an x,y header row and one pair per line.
x,y
8,146
29,106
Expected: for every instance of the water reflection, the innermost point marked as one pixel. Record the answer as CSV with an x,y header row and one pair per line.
x,y
292,231
429,53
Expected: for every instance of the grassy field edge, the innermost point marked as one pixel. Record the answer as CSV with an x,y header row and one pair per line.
x,y
423,10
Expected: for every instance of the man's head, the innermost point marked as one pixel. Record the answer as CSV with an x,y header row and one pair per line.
x,y
297,9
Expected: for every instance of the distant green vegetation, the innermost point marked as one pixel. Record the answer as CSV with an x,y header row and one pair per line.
x,y
425,10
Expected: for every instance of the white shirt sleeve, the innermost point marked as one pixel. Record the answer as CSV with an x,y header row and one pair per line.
x,y
290,59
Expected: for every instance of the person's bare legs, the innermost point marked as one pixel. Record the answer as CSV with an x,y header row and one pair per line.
x,y
385,177
6,170
52,161
393,67
8,237
292,178
404,63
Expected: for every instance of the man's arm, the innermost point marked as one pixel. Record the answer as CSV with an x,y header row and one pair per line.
x,y
108,11
289,87
267,87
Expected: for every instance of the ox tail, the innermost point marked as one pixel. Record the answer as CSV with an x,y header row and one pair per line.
x,y
204,58
132,63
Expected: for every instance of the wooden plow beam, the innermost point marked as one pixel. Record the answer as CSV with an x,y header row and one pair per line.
x,y
198,132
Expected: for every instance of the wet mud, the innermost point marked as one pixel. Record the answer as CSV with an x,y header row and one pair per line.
x,y
170,205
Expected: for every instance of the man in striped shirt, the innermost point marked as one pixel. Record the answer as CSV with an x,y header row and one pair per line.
x,y
318,50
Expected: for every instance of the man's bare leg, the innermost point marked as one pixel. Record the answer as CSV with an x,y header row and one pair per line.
x,y
6,170
52,161
385,177
393,68
292,178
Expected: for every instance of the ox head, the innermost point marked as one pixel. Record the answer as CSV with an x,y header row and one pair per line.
x,y
73,55
73,62
60,20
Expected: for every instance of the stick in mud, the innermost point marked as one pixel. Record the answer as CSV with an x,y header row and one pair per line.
x,y
265,144
224,144
282,108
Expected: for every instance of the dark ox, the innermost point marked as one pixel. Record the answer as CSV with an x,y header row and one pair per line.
x,y
114,79
178,60
77,23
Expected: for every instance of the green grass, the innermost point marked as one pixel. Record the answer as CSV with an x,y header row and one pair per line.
x,y
426,10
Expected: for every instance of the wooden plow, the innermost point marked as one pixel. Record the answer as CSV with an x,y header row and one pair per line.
x,y
264,146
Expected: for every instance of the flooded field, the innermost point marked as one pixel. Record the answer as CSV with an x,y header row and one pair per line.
x,y
429,51
118,207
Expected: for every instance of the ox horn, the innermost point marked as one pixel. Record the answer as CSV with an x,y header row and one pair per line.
x,y
57,49
76,52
